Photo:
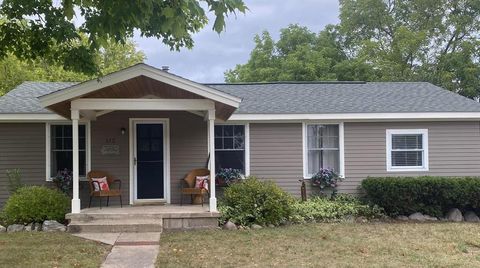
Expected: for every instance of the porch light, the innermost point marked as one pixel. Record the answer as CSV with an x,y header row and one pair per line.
x,y
123,130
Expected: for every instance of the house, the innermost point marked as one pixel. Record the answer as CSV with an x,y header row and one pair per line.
x,y
149,127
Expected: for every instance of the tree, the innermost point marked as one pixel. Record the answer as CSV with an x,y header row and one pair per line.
x,y
380,40
33,29
299,55
112,57
427,40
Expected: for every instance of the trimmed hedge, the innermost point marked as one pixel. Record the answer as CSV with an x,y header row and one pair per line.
x,y
430,195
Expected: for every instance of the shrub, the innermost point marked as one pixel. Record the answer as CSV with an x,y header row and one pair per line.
x,y
14,180
252,201
35,204
321,209
430,195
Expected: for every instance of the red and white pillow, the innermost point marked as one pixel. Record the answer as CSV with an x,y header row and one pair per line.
x,y
100,184
201,182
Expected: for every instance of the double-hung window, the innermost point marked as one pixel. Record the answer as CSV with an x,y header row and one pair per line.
x,y
61,151
322,148
407,150
230,147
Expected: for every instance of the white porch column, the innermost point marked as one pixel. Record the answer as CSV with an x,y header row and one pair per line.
x,y
76,197
211,150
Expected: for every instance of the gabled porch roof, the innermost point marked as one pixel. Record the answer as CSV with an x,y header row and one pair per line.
x,y
140,81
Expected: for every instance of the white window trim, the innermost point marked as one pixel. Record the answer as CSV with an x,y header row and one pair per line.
x,y
341,147
247,143
88,152
424,133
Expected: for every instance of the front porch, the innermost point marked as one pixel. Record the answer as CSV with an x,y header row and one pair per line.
x,y
151,218
146,128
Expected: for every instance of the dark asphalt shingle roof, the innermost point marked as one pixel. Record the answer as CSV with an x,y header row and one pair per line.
x,y
23,99
289,97
370,97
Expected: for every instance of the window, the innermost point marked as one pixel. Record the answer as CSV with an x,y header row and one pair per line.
x,y
407,150
322,148
230,147
61,151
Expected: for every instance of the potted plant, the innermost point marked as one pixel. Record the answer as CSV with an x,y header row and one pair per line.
x,y
63,181
227,176
326,178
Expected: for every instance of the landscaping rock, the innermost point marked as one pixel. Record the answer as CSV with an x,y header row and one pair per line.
x,y
402,218
229,226
53,226
271,226
29,227
37,227
361,219
455,215
2,229
430,218
15,228
470,216
256,226
417,216
349,219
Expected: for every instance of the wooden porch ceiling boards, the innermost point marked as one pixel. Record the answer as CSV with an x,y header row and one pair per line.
x,y
142,87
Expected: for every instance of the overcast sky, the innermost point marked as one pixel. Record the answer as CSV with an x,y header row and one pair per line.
x,y
212,53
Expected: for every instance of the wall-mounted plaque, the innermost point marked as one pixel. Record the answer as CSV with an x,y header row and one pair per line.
x,y
110,149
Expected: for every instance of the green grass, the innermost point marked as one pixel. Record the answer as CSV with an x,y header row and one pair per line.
x,y
49,250
334,245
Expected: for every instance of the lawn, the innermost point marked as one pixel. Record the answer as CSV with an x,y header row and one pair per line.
x,y
49,250
335,245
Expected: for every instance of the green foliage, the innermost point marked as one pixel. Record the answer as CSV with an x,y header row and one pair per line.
x,y
32,29
14,180
430,195
377,40
299,55
252,201
112,57
320,209
35,204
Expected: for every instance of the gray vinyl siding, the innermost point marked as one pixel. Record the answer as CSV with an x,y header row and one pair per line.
x,y
188,147
276,154
275,150
22,146
454,150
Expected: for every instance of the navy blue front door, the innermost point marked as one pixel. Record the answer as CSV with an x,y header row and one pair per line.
x,y
150,167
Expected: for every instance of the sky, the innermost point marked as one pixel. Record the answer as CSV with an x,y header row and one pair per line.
x,y
214,53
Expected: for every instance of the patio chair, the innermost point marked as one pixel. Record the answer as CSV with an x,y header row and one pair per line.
x,y
188,185
101,193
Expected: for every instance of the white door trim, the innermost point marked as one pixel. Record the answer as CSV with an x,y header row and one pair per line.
x,y
166,157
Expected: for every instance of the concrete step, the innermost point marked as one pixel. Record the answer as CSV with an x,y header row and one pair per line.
x,y
116,226
88,217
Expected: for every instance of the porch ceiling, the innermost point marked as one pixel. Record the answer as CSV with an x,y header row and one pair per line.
x,y
137,82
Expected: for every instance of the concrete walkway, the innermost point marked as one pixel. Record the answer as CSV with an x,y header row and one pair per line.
x,y
129,249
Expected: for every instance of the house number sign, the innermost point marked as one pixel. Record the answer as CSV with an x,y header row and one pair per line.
x,y
110,148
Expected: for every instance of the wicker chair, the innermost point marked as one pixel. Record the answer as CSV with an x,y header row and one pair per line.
x,y
111,181
188,185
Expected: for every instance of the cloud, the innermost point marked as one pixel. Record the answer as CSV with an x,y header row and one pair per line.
x,y
213,54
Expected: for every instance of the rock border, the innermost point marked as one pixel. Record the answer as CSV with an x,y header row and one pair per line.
x,y
46,226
